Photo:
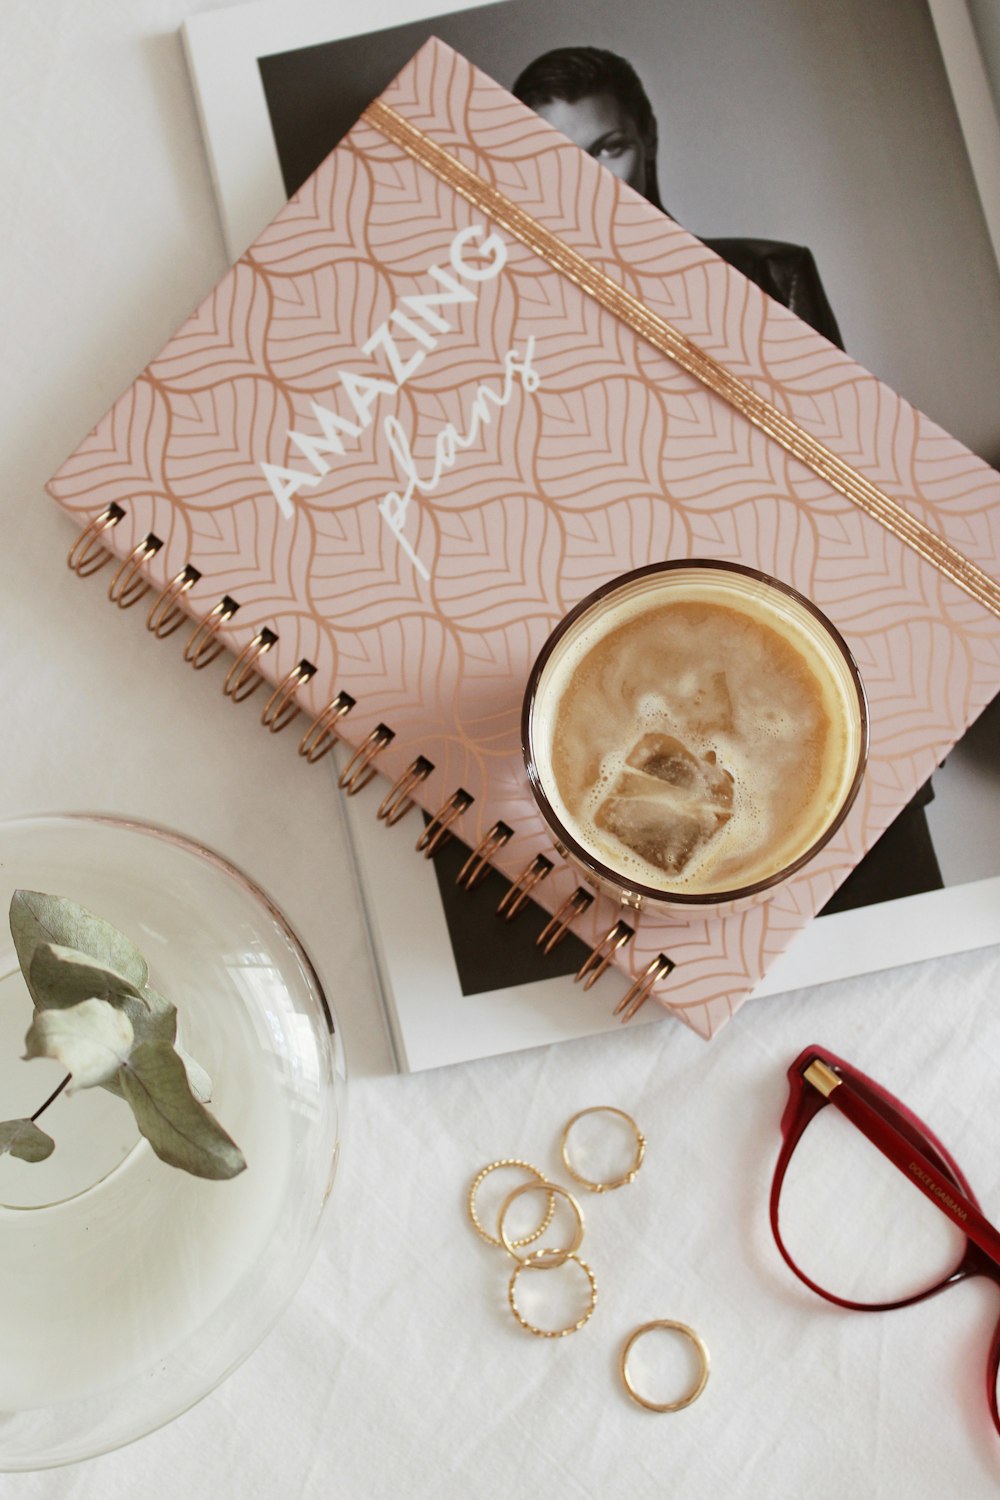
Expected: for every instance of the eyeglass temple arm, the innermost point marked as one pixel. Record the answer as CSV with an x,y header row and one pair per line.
x,y
911,1161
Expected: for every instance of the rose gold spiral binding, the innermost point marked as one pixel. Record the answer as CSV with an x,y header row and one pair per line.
x,y
437,829
128,585
557,927
203,646
635,998
477,866
87,555
166,616
281,708
397,801
517,896
321,736
242,679
597,959
360,768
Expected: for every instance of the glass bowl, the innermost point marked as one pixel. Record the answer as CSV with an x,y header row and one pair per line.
x,y
131,1287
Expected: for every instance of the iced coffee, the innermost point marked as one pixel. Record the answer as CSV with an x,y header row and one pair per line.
x,y
694,731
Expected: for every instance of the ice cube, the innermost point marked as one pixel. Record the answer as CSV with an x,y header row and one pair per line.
x,y
668,802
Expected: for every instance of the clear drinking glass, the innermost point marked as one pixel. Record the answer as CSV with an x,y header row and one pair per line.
x,y
132,1288
775,608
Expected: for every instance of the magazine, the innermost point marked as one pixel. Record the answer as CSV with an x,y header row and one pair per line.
x,y
754,139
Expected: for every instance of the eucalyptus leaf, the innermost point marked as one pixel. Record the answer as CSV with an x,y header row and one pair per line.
x,y
60,976
158,1023
201,1083
37,918
154,1019
180,1130
24,1139
92,1040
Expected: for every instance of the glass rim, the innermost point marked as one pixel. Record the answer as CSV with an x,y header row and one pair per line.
x,y
597,867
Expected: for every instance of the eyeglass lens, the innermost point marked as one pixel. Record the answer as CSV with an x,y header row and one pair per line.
x,y
853,1223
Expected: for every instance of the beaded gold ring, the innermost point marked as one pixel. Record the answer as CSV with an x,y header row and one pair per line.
x,y
700,1350
525,1166
535,1262
640,1149
556,1255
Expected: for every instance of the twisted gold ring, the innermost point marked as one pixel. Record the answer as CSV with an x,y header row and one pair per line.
x,y
640,1149
534,1262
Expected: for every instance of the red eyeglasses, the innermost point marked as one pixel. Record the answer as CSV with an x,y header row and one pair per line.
x,y
829,1187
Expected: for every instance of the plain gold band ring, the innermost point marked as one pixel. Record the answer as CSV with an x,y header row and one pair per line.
x,y
553,1257
700,1349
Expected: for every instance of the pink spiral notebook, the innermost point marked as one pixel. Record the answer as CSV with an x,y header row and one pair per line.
x,y
463,378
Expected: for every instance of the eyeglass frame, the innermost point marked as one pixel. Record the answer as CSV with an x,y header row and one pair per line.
x,y
818,1078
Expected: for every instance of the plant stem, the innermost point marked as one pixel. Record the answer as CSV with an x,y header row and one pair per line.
x,y
52,1097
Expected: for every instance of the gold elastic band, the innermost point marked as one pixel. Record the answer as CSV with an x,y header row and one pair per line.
x,y
663,336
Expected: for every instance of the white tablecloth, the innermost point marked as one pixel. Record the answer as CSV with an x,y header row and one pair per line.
x,y
397,1369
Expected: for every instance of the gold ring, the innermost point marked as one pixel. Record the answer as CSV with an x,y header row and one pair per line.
x,y
552,1257
508,1161
533,1262
700,1349
640,1149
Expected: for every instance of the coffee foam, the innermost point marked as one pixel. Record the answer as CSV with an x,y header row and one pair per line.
x,y
734,678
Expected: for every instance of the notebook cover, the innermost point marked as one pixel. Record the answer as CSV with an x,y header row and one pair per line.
x,y
421,568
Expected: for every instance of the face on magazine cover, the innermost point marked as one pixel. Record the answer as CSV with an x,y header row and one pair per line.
x,y
596,99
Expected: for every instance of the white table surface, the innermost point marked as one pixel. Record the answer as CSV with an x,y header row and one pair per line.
x,y
397,1370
